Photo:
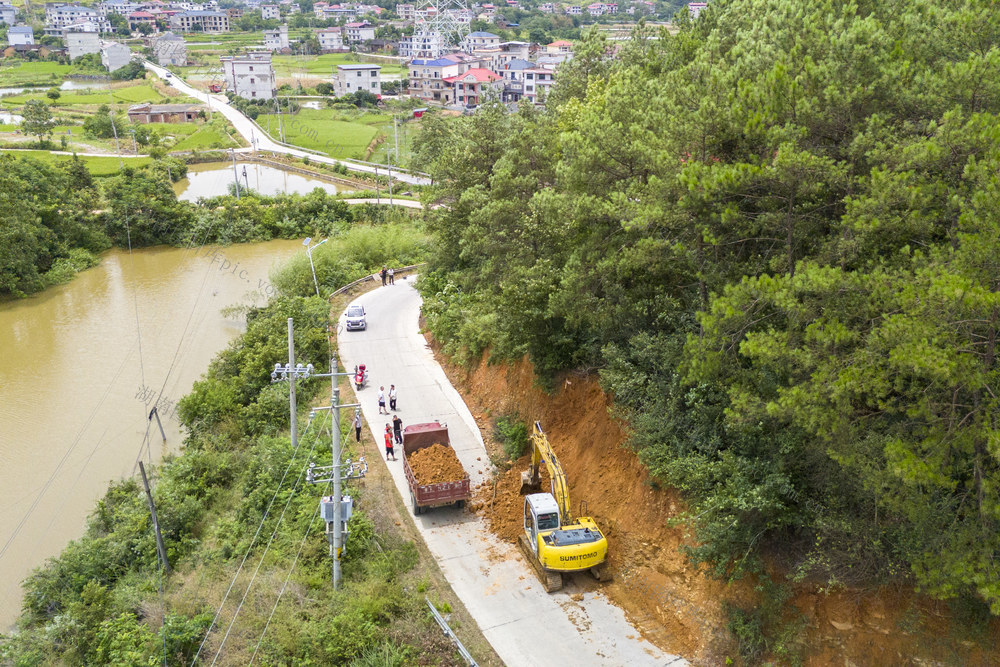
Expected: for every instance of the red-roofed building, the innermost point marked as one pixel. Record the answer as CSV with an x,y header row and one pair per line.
x,y
473,84
559,46
136,19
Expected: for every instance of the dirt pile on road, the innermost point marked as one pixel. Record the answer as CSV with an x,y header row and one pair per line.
x,y
435,464
502,504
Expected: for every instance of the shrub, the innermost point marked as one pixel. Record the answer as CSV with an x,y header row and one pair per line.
x,y
512,433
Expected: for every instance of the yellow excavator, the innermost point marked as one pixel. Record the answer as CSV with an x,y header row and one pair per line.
x,y
553,542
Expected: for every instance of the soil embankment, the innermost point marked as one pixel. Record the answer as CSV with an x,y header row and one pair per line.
x,y
673,604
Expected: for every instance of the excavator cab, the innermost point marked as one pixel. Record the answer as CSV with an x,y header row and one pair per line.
x,y
541,517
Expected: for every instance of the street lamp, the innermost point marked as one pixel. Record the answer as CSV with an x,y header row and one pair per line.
x,y
311,265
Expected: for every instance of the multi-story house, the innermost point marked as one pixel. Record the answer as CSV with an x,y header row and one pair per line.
x,y
547,8
538,81
696,8
596,9
114,56
81,43
135,19
250,76
208,21
170,49
355,33
471,87
406,12
423,43
559,46
574,10
8,14
330,39
20,35
269,12
426,76
58,17
122,7
277,39
353,78
480,41
512,74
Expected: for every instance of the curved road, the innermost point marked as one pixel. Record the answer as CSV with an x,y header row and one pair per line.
x,y
254,136
525,625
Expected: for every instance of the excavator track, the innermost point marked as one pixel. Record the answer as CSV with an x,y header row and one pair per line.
x,y
551,581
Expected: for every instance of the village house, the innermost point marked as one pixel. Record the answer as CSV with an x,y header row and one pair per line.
x,y
277,39
538,81
164,113
574,10
269,12
406,12
696,8
250,76
547,8
114,56
355,33
81,43
330,39
207,21
353,78
559,46
135,19
478,41
471,87
58,17
423,43
8,14
427,76
170,49
20,35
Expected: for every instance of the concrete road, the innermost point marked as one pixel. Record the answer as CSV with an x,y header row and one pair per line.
x,y
253,135
525,625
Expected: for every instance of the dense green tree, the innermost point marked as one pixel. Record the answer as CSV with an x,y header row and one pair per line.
x,y
38,119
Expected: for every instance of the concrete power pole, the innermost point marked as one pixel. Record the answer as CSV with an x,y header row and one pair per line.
x,y
291,381
156,525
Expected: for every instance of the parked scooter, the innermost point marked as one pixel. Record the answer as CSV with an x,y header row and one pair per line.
x,y
360,376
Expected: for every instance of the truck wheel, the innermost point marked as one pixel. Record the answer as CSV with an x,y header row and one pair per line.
x,y
459,504
416,507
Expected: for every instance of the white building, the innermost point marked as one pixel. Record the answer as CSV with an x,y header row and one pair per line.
x,y
114,56
81,43
20,34
170,49
355,33
206,20
250,76
8,14
269,12
123,7
478,41
696,8
277,39
330,39
352,78
423,43
406,12
59,17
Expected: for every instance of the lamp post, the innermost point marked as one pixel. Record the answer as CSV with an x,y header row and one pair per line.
x,y
311,265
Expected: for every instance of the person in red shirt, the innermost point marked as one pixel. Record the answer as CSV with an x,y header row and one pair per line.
x,y
389,451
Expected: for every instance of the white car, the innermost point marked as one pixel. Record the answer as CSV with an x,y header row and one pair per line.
x,y
356,318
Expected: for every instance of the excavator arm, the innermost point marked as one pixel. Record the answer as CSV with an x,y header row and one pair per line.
x,y
541,451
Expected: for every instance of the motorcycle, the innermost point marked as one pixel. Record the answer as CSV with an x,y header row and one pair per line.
x,y
360,376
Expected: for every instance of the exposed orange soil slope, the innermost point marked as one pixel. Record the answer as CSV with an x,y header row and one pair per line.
x,y
674,605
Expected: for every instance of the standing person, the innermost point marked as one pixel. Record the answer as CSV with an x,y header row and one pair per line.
x,y
383,273
357,426
392,397
389,451
391,274
381,401
397,428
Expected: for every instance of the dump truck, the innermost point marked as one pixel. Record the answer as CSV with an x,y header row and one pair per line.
x,y
553,541
425,496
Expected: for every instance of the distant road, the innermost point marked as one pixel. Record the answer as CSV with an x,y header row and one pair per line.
x,y
253,135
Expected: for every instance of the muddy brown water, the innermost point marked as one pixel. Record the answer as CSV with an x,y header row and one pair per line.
x,y
75,389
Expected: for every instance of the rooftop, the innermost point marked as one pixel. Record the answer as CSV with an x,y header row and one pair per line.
x,y
477,74
480,33
356,67
20,30
164,108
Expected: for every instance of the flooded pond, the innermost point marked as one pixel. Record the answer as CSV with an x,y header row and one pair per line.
x,y
7,118
211,179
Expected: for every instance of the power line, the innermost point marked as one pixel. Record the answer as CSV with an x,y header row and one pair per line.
x,y
295,561
218,612
274,533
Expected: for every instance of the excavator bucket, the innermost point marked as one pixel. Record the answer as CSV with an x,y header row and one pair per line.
x,y
530,482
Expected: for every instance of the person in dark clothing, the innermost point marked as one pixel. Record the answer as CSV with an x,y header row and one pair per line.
x,y
397,429
383,273
357,426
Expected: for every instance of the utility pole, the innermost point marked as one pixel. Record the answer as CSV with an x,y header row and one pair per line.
x,y
395,130
156,413
236,179
156,525
135,149
289,372
390,176
336,519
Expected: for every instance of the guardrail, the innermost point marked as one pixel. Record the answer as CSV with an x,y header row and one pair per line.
x,y
451,635
401,170
374,276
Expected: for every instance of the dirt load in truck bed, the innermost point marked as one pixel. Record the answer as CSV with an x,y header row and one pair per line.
x,y
435,464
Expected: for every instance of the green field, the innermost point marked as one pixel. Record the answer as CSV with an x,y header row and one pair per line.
x,y
98,166
143,92
16,73
338,134
204,138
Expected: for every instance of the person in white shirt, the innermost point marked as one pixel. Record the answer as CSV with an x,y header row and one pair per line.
x,y
392,397
381,401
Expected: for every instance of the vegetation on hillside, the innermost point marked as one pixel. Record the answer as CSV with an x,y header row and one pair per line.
x,y
775,234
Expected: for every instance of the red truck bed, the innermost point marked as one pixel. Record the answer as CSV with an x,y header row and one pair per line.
x,y
425,496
